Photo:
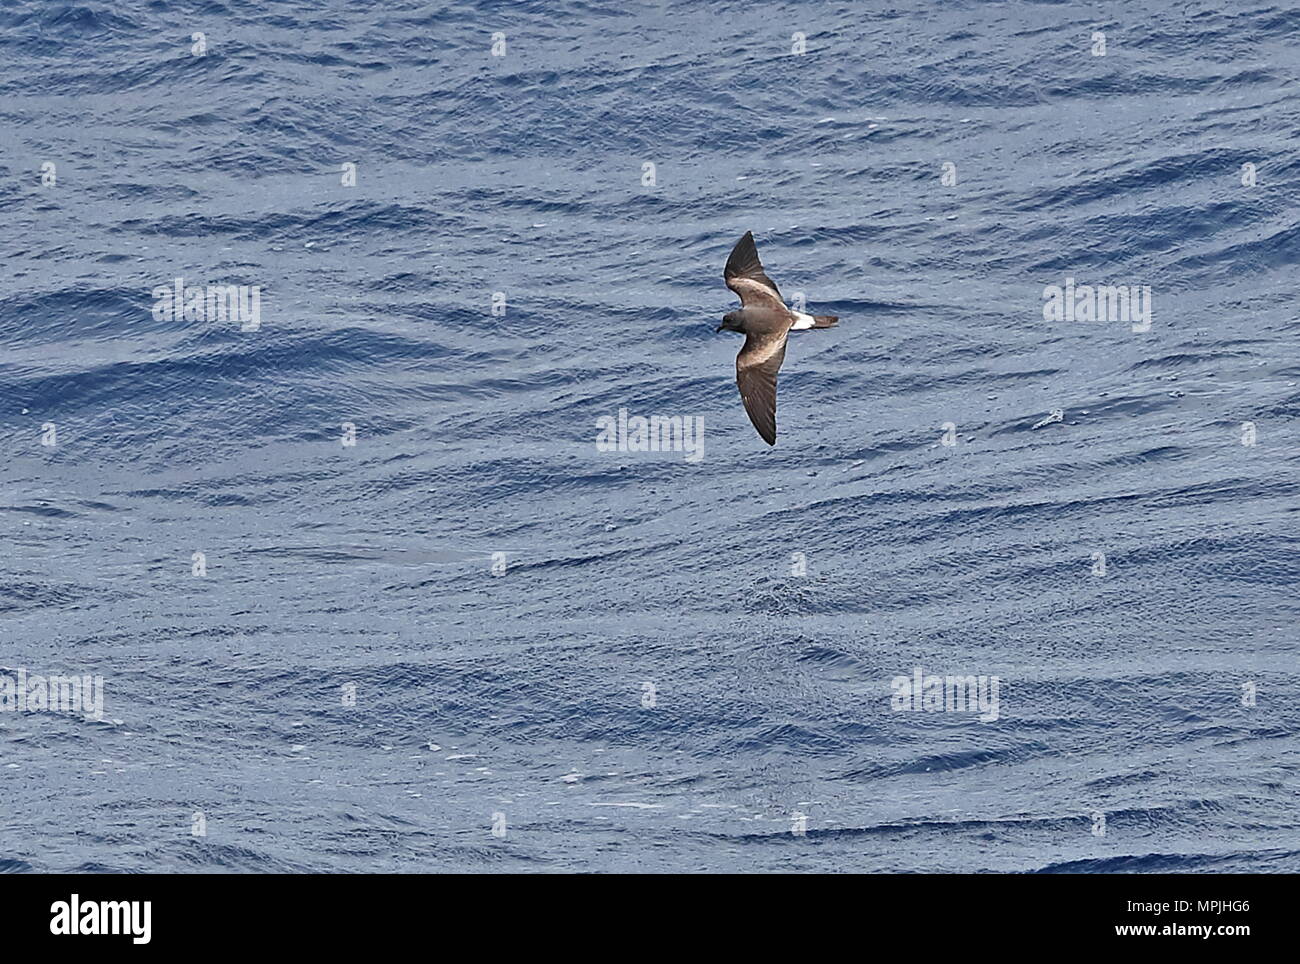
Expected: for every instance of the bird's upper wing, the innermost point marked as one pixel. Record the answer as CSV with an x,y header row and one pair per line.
x,y
744,275
756,368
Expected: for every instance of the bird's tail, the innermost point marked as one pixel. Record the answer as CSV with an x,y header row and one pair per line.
x,y
825,321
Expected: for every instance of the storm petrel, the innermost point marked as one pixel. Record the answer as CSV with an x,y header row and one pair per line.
x,y
765,321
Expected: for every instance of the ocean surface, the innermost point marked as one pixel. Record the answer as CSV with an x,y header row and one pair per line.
x,y
366,596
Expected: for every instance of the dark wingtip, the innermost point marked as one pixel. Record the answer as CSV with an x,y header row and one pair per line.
x,y
743,260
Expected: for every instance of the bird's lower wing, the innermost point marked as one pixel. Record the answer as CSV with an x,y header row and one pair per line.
x,y
756,368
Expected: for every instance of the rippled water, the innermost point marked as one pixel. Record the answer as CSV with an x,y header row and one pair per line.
x,y
648,686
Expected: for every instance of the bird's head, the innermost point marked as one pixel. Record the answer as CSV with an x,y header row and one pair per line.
x,y
730,322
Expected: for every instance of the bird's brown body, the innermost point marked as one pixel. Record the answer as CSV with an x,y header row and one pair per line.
x,y
765,321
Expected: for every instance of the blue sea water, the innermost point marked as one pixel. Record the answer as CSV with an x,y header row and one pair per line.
x,y
649,686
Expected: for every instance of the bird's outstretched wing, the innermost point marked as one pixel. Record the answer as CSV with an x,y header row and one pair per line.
x,y
744,275
756,368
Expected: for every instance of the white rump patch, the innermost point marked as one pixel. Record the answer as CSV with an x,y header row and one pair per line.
x,y
801,321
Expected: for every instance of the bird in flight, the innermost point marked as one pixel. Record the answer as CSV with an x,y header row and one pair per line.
x,y
765,321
